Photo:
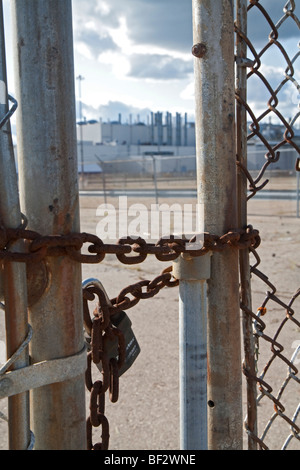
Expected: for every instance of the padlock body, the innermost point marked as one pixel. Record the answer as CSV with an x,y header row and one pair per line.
x,y
123,323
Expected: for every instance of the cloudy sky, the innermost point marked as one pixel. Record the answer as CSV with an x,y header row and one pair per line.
x,y
135,56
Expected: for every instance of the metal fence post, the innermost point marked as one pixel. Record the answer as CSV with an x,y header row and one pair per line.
x,y
213,28
193,274
242,187
15,292
47,152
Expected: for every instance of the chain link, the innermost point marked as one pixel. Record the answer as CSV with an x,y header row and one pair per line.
x,y
166,249
99,330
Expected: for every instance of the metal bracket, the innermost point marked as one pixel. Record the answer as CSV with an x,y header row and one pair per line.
x,y
244,62
189,268
43,373
38,279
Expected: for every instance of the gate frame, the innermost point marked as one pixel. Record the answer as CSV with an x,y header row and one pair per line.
x,y
14,274
213,37
47,155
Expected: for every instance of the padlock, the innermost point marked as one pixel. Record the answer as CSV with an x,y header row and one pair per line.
x,y
121,321
111,343
132,349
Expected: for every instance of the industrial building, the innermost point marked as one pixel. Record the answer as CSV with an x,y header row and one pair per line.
x,y
129,147
159,131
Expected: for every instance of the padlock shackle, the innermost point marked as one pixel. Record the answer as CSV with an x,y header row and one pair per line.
x,y
95,282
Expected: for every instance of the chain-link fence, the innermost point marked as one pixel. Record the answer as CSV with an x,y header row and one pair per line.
x,y
276,320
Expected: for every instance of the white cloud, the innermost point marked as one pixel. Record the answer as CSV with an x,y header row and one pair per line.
x,y
129,50
120,64
188,93
83,49
102,7
120,36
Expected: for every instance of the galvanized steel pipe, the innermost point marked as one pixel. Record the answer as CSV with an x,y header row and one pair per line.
x,y
47,153
14,274
193,274
213,28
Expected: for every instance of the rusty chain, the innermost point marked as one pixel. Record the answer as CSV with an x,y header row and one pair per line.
x,y
99,330
166,249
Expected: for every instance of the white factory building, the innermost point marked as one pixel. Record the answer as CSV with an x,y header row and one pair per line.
x,y
130,146
158,130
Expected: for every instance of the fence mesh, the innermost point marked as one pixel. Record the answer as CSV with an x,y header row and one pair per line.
x,y
276,319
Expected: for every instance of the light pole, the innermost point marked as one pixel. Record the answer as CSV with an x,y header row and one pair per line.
x,y
80,78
